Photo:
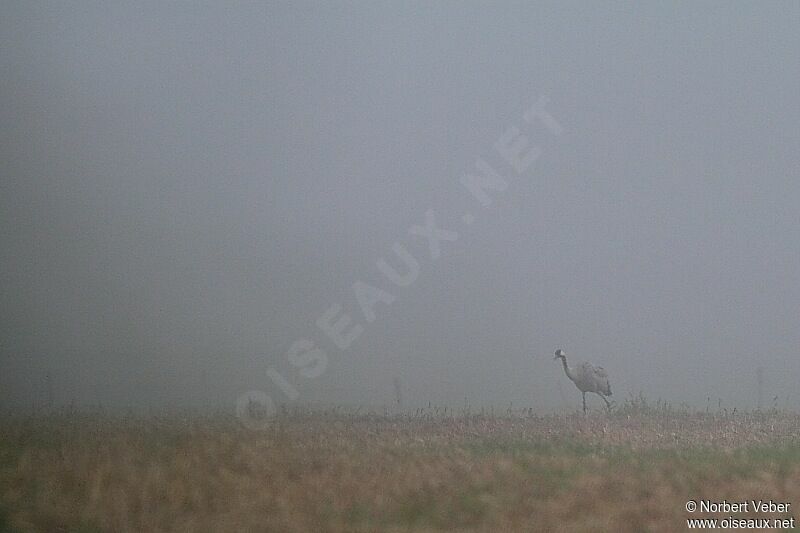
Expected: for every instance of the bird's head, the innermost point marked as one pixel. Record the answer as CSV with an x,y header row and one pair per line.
x,y
559,353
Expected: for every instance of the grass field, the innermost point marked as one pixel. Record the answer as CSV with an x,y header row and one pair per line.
x,y
630,470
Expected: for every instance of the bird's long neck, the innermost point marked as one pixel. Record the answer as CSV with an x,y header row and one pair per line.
x,y
567,369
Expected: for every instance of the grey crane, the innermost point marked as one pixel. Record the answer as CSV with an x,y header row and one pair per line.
x,y
587,377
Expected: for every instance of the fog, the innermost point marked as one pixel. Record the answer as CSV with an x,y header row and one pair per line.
x,y
189,192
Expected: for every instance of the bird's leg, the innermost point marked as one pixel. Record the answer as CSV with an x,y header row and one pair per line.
x,y
584,403
608,404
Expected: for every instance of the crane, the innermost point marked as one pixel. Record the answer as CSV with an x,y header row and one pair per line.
x,y
587,377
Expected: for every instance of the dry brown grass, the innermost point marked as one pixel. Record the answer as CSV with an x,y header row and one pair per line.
x,y
629,471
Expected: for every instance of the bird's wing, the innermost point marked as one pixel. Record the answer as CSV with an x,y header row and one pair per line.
x,y
589,370
586,373
602,376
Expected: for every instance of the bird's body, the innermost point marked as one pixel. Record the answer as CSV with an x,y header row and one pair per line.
x,y
588,378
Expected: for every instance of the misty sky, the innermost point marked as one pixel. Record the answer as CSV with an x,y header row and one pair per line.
x,y
186,188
